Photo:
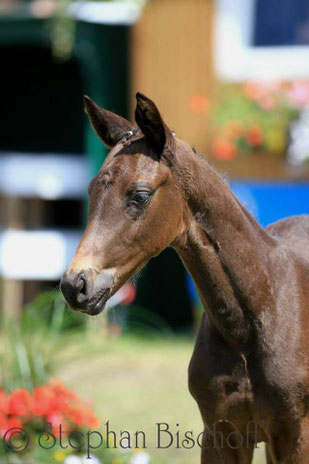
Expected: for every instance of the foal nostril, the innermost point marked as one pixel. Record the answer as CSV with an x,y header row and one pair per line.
x,y
81,288
74,288
81,285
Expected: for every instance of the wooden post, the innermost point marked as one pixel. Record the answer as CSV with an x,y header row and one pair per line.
x,y
171,62
12,298
12,290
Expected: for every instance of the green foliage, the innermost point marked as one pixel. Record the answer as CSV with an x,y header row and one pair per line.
x,y
30,348
63,25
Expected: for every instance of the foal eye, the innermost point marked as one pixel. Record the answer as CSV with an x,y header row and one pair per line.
x,y
141,197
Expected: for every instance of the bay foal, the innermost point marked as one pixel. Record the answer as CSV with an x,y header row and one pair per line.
x,y
250,362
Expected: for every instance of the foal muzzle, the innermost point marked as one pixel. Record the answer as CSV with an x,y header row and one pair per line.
x,y
88,290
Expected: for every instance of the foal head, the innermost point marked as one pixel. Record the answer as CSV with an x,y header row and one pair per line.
x,y
136,209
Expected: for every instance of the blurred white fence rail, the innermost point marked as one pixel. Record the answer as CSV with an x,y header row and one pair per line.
x,y
41,254
45,176
36,255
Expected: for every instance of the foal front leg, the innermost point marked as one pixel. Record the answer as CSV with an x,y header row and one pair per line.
x,y
268,455
224,452
289,445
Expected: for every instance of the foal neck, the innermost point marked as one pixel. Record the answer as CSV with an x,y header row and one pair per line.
x,y
226,252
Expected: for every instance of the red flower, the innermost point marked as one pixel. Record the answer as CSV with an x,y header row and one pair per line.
x,y
19,403
52,402
198,104
3,420
82,415
259,90
3,424
4,401
267,103
58,388
42,397
223,148
298,93
13,422
56,419
254,135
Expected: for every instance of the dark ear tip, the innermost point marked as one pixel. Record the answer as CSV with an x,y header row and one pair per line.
x,y
140,97
87,102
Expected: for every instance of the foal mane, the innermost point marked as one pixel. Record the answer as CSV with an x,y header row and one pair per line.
x,y
135,141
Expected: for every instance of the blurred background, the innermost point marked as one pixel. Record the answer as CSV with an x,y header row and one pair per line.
x,y
231,77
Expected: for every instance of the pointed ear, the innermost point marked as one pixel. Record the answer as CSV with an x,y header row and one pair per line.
x,y
151,124
109,126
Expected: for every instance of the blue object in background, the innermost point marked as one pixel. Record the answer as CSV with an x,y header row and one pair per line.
x,y
280,22
268,202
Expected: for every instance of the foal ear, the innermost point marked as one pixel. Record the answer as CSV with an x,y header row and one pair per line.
x,y
151,123
109,126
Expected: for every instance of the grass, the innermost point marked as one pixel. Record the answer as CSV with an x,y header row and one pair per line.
x,y
135,383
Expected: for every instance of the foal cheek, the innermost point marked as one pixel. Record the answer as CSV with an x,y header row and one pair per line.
x,y
158,233
172,219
